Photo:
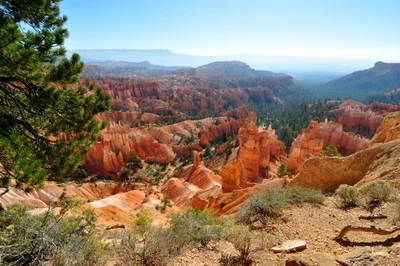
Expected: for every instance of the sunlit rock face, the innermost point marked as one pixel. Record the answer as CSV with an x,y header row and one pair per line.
x,y
257,147
359,119
363,119
389,130
316,137
197,186
193,185
152,144
115,147
379,162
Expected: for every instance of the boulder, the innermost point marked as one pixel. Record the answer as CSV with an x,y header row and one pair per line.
x,y
316,259
289,246
359,257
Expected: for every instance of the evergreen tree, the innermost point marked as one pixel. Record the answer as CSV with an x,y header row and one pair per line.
x,y
330,150
46,124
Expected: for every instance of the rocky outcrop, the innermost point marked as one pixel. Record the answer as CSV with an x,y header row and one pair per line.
x,y
115,147
380,162
256,148
386,166
317,136
229,202
239,113
388,130
221,131
153,144
358,120
52,192
188,195
363,119
328,173
129,118
199,184
124,95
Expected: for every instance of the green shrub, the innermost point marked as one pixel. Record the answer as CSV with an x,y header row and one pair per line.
x,y
49,239
154,246
295,195
263,240
196,226
246,242
376,191
142,223
242,239
282,171
125,172
273,200
348,196
268,204
330,150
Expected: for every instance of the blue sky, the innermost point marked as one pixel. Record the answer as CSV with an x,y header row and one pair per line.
x,y
367,29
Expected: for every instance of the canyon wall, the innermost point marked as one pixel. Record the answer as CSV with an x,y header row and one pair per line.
x,y
152,144
379,162
316,137
363,119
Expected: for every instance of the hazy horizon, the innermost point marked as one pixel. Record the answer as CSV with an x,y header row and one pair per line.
x,y
364,30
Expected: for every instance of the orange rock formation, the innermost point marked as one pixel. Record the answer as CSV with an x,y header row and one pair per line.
x,y
115,146
317,136
363,119
380,162
389,130
256,147
152,144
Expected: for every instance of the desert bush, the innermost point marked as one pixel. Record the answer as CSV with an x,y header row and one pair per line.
x,y
268,204
273,200
376,191
154,246
282,171
241,238
196,226
348,196
295,195
49,239
263,240
330,150
142,223
125,172
246,242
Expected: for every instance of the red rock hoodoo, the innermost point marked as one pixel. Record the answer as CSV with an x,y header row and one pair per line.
x,y
256,147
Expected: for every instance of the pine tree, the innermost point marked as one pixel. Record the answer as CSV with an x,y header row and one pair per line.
x,y
46,124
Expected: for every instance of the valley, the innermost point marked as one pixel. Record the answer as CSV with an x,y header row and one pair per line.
x,y
213,137
202,133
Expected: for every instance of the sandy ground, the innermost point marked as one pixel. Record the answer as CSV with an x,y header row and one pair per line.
x,y
318,225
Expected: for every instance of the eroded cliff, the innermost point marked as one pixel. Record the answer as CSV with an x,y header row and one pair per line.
x,y
316,137
378,162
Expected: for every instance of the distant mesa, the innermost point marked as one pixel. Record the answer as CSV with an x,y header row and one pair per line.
x,y
126,69
234,69
301,66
